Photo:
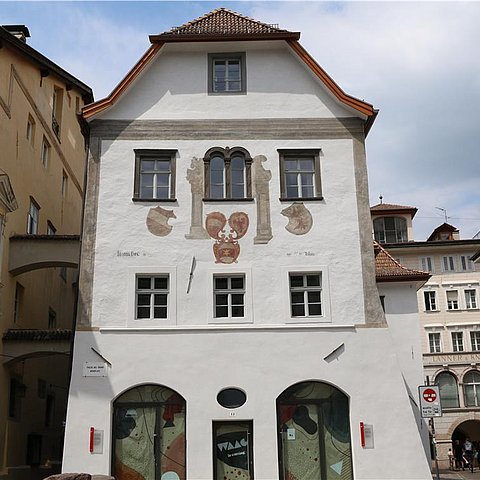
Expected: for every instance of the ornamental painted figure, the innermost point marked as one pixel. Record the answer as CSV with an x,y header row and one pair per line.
x,y
226,247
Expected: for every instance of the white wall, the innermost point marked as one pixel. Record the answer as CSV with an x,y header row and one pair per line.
x,y
174,86
121,227
198,364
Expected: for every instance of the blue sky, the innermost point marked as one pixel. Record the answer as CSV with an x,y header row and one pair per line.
x,y
416,62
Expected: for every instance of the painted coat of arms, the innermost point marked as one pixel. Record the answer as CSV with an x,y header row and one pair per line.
x,y
226,247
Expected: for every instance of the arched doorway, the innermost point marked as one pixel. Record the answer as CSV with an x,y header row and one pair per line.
x,y
314,433
470,429
149,434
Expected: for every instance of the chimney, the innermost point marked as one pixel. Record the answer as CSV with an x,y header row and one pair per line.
x,y
19,31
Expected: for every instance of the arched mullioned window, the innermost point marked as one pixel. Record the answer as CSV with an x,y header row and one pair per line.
x,y
227,173
447,384
314,432
471,388
149,434
390,230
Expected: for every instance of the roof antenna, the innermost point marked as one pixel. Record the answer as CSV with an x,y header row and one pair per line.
x,y
381,199
444,213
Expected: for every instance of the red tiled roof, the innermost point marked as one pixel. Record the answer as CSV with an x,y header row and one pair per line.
x,y
37,335
223,21
392,208
387,269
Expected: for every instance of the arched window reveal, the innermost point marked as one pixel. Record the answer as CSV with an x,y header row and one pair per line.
x,y
471,389
314,433
227,173
149,434
447,384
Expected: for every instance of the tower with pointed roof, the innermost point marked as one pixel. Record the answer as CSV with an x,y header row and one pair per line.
x,y
223,330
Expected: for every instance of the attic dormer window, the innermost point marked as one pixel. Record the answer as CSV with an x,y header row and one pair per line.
x,y
226,73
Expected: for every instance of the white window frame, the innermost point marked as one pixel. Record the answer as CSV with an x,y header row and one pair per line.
x,y
230,271
171,319
475,342
465,264
429,292
427,264
30,133
325,293
457,346
434,346
229,291
450,307
33,217
471,301
448,263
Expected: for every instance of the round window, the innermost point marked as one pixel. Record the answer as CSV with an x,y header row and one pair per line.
x,y
231,398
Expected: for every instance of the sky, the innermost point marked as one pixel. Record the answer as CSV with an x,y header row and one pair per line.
x,y
417,62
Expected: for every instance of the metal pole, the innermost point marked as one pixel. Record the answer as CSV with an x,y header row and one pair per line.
x,y
434,441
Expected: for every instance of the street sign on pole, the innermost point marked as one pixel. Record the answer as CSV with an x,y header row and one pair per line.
x,y
430,401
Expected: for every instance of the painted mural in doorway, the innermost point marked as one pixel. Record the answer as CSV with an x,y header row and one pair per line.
x,y
149,434
226,247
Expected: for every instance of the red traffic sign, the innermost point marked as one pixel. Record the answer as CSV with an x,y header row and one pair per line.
x,y
429,395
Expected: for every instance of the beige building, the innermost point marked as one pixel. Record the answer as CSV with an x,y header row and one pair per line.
x,y
449,310
42,157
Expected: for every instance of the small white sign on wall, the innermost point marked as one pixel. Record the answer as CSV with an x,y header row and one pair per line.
x,y
97,441
94,369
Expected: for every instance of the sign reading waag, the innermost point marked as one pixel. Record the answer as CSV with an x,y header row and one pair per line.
x,y
430,401
94,369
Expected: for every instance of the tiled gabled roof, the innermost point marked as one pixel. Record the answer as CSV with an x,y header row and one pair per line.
x,y
223,23
37,335
392,208
387,269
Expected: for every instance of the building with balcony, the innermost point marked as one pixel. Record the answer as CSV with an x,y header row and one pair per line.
x,y
41,194
229,325
449,311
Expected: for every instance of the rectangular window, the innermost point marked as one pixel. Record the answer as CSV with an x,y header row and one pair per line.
x,y
229,296
64,187
475,341
227,73
300,174
154,175
52,318
151,296
430,301
30,134
434,342
427,264
457,341
470,299
452,300
465,263
18,303
306,294
448,264
45,152
32,217
57,108
51,230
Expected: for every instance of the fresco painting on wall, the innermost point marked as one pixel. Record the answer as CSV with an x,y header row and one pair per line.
x,y
157,221
226,247
300,220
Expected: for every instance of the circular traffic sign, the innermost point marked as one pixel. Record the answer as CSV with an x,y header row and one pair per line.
x,y
429,395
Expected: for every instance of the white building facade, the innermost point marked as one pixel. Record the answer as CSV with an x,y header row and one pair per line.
x,y
229,323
